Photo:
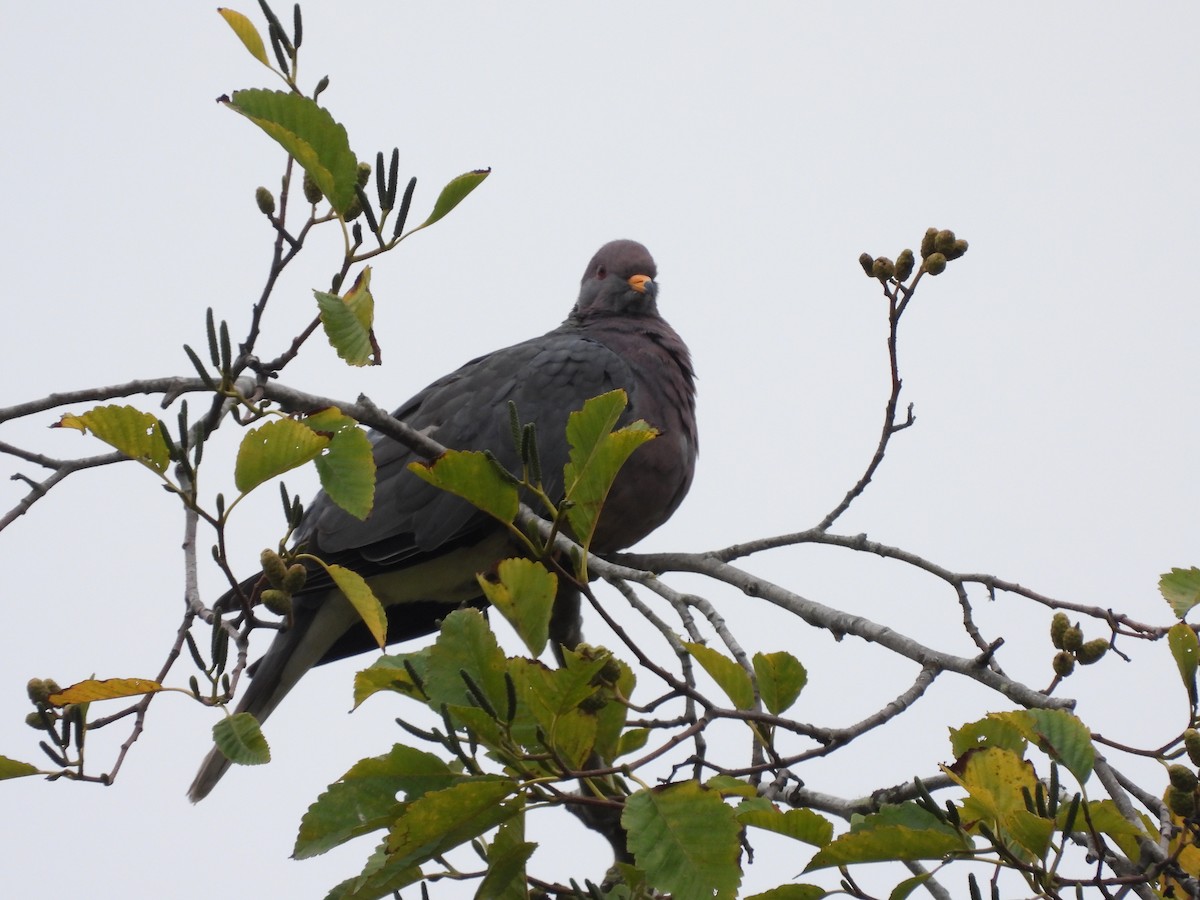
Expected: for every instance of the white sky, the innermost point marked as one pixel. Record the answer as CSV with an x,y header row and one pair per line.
x,y
756,151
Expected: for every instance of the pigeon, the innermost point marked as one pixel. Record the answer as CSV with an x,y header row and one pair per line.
x,y
421,548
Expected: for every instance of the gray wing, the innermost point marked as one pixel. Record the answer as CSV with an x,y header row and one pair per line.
x,y
547,378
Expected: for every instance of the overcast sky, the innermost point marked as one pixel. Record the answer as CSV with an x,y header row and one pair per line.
x,y
756,150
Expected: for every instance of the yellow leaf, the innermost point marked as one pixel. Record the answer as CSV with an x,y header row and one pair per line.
x,y
137,434
246,33
363,599
108,689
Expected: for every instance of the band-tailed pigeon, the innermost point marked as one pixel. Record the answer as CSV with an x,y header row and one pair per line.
x,y
420,548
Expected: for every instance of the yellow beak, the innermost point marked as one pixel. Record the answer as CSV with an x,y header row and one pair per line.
x,y
639,282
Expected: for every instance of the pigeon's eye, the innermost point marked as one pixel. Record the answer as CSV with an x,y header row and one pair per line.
x,y
601,272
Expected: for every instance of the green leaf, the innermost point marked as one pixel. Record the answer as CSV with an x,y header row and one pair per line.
x,y
1181,589
904,832
272,449
108,689
439,821
348,321
246,33
137,434
1186,650
988,732
523,591
347,468
309,133
453,194
792,892
364,799
479,726
634,880
389,673
781,678
632,740
465,644
241,739
14,768
1059,734
729,676
610,720
1104,817
506,858
997,782
686,839
362,598
549,704
377,880
597,454
474,476
1030,831
800,824
729,786
905,888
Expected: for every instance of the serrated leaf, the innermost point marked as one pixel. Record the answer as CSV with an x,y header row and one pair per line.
x,y
1059,734
246,33
14,768
474,476
1105,818
905,888
1186,650
506,858
309,133
523,592
365,798
987,732
611,719
465,643
632,740
799,824
728,786
442,820
781,678
792,892
348,322
729,676
389,673
347,467
481,726
549,703
377,880
1030,831
455,191
274,448
996,782
241,739
904,832
993,779
596,456
135,433
686,839
363,599
1181,589
108,689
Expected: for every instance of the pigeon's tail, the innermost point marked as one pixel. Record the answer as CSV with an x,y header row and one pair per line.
x,y
211,771
291,654
324,624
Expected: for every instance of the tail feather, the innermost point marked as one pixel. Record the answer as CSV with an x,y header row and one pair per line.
x,y
417,595
293,652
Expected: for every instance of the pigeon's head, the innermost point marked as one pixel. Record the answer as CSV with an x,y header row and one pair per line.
x,y
618,281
